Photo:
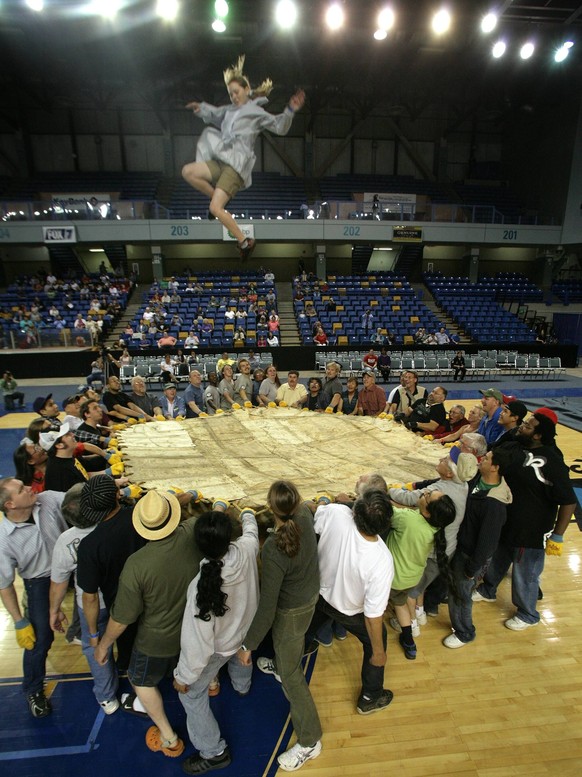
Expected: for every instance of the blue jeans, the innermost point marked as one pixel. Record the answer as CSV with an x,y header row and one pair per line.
x,y
37,612
288,632
528,565
372,676
203,729
461,611
105,680
327,631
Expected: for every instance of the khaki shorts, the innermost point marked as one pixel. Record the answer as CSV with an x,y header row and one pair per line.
x,y
225,177
399,597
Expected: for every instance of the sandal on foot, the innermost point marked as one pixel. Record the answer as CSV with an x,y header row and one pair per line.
x,y
127,702
171,747
214,687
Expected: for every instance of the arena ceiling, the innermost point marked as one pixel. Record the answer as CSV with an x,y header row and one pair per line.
x,y
64,58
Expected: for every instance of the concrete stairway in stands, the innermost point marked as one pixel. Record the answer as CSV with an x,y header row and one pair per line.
x,y
289,334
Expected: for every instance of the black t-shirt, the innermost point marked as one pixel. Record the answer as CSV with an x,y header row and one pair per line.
x,y
145,403
540,482
439,414
61,474
102,554
110,400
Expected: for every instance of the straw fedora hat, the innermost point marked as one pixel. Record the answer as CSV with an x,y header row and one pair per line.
x,y
156,515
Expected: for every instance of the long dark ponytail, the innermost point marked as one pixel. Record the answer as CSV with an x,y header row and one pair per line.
x,y
212,532
284,500
442,513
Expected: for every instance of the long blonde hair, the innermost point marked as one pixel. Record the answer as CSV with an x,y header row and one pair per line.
x,y
235,73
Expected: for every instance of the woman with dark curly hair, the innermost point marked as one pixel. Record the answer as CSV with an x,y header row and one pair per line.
x,y
221,602
289,593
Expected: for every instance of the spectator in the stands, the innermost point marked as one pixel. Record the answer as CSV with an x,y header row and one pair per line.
x,y
384,364
192,341
320,337
431,339
272,340
167,366
459,367
442,337
167,341
370,360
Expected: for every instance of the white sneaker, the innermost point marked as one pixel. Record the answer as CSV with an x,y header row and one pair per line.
x,y
297,755
452,641
516,624
397,627
109,707
268,666
477,597
421,618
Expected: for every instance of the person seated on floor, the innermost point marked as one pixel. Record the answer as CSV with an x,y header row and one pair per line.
x,y
406,395
457,421
349,401
315,397
292,393
171,405
431,415
474,417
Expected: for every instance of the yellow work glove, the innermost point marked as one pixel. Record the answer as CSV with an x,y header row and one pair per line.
x,y
283,404
248,404
196,495
114,459
390,416
25,635
132,421
175,490
428,437
247,510
381,415
113,442
116,470
119,427
220,503
329,409
220,411
141,420
554,545
180,418
272,404
132,491
236,406
323,498
203,415
160,418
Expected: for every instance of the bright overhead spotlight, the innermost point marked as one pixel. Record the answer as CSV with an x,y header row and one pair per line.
x,y
221,9
498,49
441,21
561,53
218,25
568,44
107,8
334,16
386,19
380,35
488,23
286,14
35,5
526,50
167,9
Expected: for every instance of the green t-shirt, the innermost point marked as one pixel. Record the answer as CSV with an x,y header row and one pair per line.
x,y
152,590
410,541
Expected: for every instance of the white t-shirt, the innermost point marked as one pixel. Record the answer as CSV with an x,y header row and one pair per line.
x,y
356,574
65,559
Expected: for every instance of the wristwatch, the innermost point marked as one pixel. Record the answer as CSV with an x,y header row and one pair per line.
x,y
245,648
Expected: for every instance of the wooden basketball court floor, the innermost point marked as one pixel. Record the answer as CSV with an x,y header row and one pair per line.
x,y
508,704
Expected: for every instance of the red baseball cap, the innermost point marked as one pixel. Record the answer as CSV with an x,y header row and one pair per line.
x,y
548,413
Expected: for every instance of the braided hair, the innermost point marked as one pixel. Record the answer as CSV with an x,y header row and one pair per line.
x,y
212,533
441,513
